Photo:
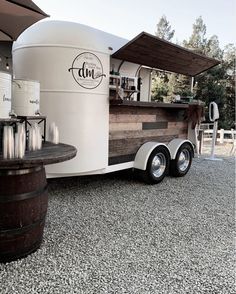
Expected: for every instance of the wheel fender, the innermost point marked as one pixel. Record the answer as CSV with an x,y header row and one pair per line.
x,y
175,144
141,158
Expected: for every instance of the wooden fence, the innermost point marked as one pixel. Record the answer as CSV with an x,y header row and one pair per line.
x,y
223,136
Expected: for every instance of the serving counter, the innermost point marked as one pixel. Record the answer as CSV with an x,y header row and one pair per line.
x,y
121,102
132,123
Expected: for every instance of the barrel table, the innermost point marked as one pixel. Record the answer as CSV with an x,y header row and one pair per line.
x,y
24,199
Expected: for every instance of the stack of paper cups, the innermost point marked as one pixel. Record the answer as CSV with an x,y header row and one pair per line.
x,y
8,142
20,141
35,138
53,133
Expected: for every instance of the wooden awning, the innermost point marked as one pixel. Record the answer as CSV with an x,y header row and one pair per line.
x,y
154,52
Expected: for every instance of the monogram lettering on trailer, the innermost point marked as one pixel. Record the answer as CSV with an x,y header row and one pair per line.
x,y
87,70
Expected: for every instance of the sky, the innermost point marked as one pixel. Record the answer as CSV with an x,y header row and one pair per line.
x,y
127,18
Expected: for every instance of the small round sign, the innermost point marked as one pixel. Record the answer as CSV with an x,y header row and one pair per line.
x,y
87,70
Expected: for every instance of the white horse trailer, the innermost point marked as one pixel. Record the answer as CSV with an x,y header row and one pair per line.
x,y
87,78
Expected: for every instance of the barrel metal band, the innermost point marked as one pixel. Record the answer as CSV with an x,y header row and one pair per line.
x,y
12,172
23,196
23,229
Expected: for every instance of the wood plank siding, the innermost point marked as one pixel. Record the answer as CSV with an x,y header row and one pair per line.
x,y
131,126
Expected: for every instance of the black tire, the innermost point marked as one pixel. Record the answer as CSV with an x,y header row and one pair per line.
x,y
182,162
157,166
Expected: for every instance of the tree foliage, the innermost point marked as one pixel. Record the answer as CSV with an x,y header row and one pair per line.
x,y
197,40
161,80
164,30
216,84
160,86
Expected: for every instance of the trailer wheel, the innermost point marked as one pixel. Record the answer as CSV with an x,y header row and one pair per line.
x,y
157,166
182,162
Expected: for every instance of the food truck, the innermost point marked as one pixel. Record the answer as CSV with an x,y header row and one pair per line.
x,y
96,88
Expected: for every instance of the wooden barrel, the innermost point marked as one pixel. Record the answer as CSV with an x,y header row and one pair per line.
x,y
23,208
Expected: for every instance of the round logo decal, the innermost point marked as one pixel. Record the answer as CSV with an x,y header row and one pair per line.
x,y
87,70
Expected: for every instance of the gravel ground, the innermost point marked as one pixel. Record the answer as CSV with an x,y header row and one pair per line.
x,y
114,234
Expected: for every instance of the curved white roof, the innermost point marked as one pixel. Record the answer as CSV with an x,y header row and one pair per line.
x,y
63,33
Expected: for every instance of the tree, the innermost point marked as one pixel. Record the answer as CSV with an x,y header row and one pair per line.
x,y
183,85
160,87
229,65
197,40
229,54
164,30
213,48
160,80
216,84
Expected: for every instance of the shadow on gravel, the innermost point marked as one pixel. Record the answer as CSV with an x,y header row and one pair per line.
x,y
68,182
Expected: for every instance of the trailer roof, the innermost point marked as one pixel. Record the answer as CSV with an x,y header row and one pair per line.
x,y
155,52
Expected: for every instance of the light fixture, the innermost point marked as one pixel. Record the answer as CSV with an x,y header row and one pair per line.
x,y
7,64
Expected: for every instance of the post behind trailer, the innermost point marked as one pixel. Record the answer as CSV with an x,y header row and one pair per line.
x,y
73,64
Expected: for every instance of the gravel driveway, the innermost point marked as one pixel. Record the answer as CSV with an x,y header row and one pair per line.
x,y
114,234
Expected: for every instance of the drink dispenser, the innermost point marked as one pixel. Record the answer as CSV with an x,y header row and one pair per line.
x,y
26,97
5,95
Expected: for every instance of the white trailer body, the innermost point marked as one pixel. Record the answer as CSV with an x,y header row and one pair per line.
x,y
79,106
72,62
